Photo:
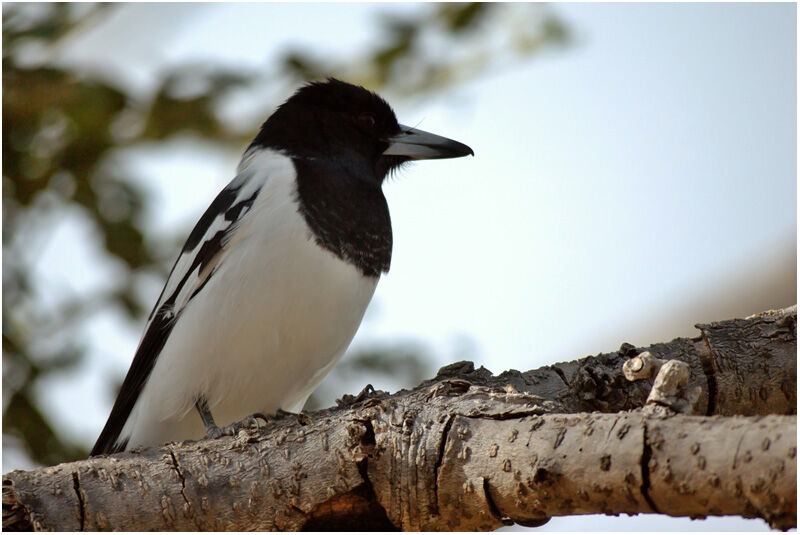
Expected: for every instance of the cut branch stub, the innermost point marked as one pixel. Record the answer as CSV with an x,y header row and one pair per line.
x,y
670,379
642,366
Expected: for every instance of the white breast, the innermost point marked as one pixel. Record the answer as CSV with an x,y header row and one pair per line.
x,y
265,329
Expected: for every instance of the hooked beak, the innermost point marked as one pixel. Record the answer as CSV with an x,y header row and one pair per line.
x,y
420,145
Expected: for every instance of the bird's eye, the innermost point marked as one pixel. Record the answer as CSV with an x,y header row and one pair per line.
x,y
367,121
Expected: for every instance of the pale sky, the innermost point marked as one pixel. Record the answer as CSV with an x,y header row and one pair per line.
x,y
616,176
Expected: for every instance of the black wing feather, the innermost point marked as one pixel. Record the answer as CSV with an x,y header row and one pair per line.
x,y
153,341
162,318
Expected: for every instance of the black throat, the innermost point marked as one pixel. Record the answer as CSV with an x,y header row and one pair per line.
x,y
344,206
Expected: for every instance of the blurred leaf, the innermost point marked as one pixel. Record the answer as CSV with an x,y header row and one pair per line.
x,y
23,419
554,30
301,66
461,17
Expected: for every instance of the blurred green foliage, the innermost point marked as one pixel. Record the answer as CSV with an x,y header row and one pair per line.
x,y
63,135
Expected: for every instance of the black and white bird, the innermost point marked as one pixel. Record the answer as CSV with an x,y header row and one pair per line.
x,y
273,281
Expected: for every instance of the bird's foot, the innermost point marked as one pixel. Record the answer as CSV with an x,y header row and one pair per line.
x,y
254,420
348,399
302,417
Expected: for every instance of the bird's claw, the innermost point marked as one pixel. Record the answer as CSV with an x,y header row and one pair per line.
x,y
348,399
280,414
248,422
302,417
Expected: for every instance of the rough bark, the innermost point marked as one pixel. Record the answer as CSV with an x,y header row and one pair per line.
x,y
469,450
529,468
742,366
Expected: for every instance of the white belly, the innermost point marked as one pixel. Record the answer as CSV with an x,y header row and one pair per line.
x,y
261,334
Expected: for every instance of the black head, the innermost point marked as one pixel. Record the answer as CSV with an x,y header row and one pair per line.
x,y
334,119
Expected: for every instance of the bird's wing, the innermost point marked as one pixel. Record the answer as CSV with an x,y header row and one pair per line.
x,y
204,251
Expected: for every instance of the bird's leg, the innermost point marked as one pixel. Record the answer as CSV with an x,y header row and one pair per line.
x,y
214,431
205,413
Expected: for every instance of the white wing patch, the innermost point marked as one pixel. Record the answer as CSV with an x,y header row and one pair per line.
x,y
206,247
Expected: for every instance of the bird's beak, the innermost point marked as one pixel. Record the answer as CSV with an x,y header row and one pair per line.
x,y
419,145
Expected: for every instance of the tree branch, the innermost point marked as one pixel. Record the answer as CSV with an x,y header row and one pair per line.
x,y
469,450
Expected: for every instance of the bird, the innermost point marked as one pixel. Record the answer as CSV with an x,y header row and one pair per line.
x,y
273,281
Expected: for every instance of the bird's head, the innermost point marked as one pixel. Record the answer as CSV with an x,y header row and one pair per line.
x,y
340,121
